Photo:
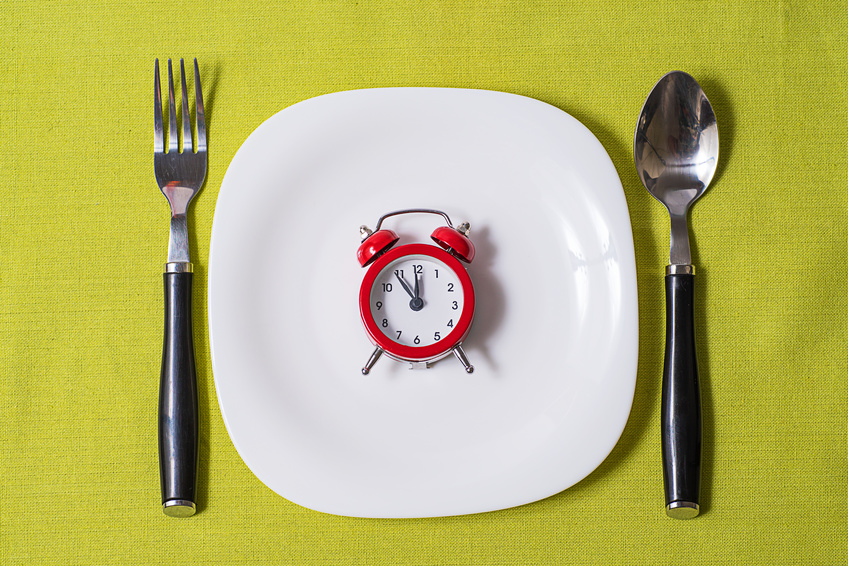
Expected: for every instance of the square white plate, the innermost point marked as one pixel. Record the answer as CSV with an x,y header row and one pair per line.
x,y
554,341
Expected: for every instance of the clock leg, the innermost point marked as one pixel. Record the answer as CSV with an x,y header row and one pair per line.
x,y
463,359
375,355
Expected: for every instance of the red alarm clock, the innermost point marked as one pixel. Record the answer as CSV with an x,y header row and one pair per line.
x,y
416,300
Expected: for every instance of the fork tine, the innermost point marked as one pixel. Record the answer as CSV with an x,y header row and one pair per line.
x,y
173,141
158,134
199,113
186,117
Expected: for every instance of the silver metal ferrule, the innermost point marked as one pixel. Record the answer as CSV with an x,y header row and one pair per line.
x,y
682,510
678,269
179,267
179,508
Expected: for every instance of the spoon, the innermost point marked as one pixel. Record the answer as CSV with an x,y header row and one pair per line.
x,y
675,149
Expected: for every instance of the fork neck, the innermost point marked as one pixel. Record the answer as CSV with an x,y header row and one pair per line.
x,y
178,240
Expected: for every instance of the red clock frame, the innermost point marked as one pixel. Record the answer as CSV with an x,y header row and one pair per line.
x,y
417,353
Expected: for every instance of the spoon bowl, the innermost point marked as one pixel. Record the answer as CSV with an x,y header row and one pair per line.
x,y
675,149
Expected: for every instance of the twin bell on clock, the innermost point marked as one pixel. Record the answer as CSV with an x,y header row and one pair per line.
x,y
416,300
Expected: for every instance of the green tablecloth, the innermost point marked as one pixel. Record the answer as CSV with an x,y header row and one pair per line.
x,y
83,234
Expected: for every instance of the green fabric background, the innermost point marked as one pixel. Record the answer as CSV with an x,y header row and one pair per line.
x,y
83,236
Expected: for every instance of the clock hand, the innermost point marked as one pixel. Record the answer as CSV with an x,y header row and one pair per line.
x,y
417,303
404,285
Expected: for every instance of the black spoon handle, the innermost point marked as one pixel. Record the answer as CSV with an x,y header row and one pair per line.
x,y
178,416
681,400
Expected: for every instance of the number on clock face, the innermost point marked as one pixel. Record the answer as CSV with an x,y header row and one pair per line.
x,y
416,300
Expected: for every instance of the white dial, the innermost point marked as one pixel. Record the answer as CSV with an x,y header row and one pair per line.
x,y
416,300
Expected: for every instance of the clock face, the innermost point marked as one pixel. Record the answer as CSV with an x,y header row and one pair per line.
x,y
416,300
419,305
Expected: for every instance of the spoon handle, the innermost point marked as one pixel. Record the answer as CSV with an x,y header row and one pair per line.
x,y
681,399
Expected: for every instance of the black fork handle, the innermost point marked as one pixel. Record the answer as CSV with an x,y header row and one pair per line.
x,y
178,414
681,401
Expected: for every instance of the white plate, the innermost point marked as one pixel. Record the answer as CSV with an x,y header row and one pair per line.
x,y
554,341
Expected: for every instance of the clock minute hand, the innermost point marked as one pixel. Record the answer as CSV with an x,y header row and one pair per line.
x,y
417,303
404,285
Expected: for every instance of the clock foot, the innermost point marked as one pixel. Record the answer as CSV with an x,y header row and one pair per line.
x,y
375,355
463,359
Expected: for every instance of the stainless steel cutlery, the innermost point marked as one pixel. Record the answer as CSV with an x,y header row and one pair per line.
x,y
180,174
675,149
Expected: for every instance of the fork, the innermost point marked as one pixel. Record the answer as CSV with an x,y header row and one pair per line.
x,y
180,175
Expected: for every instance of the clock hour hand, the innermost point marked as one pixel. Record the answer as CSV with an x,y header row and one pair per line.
x,y
416,303
404,285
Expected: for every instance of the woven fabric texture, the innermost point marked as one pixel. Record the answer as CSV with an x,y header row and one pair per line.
x,y
83,234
